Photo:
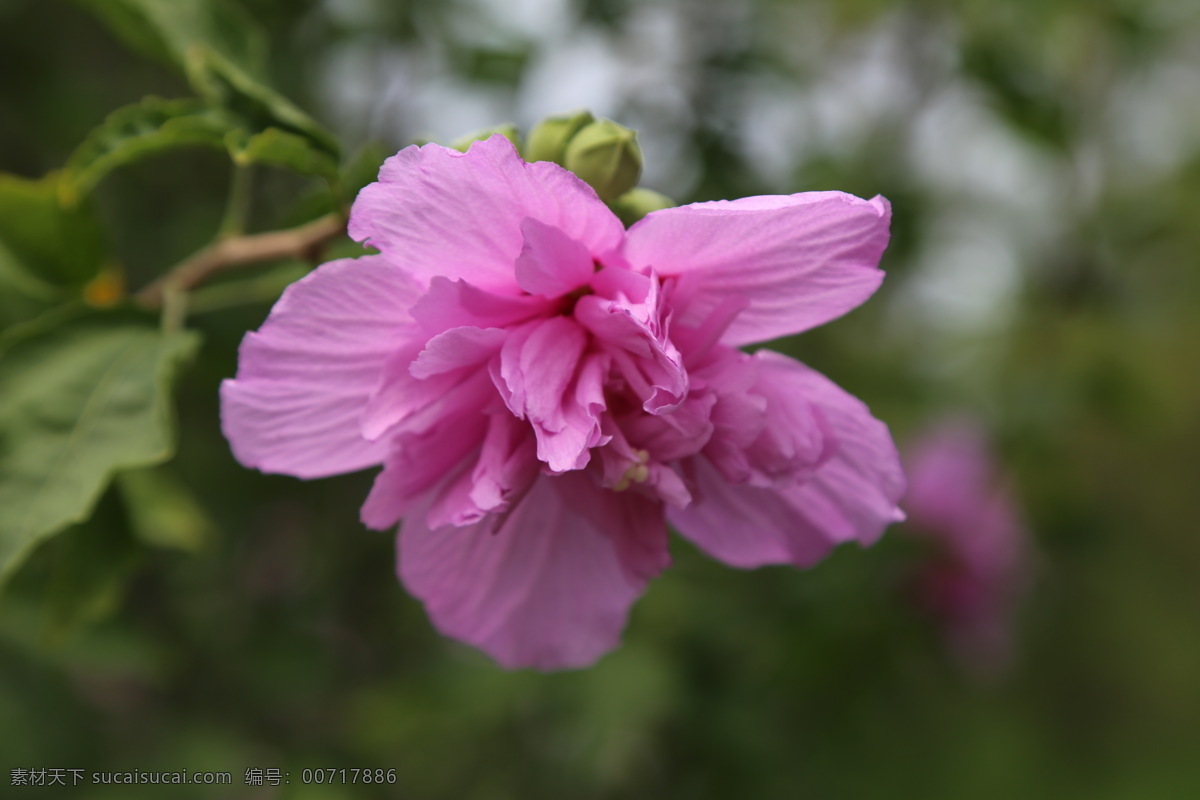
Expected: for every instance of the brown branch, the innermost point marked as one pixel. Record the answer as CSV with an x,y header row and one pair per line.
x,y
301,242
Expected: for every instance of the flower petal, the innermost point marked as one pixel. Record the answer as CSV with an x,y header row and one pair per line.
x,y
544,376
421,462
306,375
401,396
739,418
507,463
452,304
795,440
457,348
417,383
404,403
550,586
436,211
799,260
633,333
551,263
852,495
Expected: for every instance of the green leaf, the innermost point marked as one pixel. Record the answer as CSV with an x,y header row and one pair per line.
x,y
22,295
220,49
46,242
167,30
155,125
361,168
281,149
136,131
80,399
224,82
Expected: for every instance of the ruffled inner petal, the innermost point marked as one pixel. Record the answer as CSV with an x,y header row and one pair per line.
x,y
544,376
451,304
633,330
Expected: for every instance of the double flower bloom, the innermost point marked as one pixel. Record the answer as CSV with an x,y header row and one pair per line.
x,y
545,390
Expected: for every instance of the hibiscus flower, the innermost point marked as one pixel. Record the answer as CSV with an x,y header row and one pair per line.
x,y
546,390
960,503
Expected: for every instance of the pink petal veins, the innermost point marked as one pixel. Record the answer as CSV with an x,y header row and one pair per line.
x,y
799,261
550,263
549,588
305,377
439,212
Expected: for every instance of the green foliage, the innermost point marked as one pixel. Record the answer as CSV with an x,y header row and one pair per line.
x,y
45,242
281,149
155,125
85,395
23,295
170,30
131,133
230,85
221,51
80,399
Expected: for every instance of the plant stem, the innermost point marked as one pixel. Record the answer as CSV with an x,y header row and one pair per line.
x,y
223,254
237,207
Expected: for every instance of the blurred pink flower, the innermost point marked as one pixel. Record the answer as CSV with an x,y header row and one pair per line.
x,y
957,501
544,389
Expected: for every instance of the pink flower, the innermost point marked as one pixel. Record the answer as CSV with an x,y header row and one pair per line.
x,y
957,501
545,389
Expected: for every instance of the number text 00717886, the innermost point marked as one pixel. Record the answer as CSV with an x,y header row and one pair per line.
x,y
348,776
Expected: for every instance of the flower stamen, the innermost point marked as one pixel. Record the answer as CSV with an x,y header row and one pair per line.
x,y
637,472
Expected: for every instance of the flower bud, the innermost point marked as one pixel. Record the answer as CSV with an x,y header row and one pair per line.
x,y
607,156
548,139
507,130
637,203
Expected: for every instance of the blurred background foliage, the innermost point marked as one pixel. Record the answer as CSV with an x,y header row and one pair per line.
x,y
1043,159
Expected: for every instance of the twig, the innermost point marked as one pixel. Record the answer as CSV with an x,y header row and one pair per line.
x,y
223,254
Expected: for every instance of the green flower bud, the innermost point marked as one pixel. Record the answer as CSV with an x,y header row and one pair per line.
x,y
607,156
637,203
548,139
507,130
